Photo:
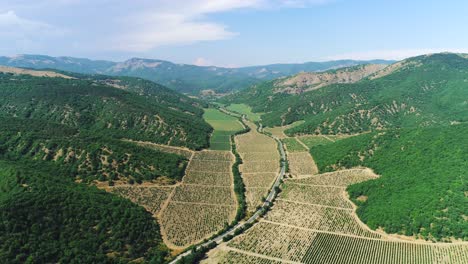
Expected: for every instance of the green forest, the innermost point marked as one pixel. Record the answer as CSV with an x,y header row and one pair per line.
x,y
423,184
47,218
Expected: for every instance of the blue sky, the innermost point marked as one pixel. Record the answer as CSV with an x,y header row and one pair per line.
x,y
233,32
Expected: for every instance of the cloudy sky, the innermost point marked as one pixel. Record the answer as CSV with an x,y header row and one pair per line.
x,y
233,32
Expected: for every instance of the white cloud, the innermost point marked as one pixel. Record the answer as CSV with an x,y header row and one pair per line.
x,y
153,30
175,22
390,54
13,25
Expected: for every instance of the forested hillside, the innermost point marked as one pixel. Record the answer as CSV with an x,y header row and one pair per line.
x,y
81,123
423,187
420,91
47,218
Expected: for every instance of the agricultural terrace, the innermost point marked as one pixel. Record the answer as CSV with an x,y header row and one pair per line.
x,y
260,167
244,109
299,159
312,221
224,126
203,203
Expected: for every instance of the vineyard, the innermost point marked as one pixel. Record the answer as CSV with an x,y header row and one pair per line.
x,y
312,221
224,126
260,164
292,145
301,163
198,209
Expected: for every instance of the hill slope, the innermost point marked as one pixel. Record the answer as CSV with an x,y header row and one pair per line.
x,y
420,91
80,123
181,77
58,134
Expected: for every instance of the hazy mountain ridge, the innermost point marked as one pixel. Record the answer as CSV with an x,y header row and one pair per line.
x,y
181,77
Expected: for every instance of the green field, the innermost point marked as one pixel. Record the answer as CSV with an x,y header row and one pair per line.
x,y
292,145
244,110
224,126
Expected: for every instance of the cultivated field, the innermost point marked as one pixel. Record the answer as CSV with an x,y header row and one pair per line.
x,y
224,126
301,163
260,164
313,222
200,207
292,145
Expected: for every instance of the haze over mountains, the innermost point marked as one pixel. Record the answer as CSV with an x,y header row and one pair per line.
x,y
181,77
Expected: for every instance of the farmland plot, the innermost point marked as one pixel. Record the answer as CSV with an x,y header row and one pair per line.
x,y
305,229
292,145
317,217
208,178
184,224
339,178
224,126
203,194
321,195
277,241
331,248
260,166
259,179
301,163
235,257
203,204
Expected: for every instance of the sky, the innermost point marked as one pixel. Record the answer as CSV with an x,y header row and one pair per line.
x,y
233,33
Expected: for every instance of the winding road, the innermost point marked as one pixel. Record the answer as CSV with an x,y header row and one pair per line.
x,y
271,196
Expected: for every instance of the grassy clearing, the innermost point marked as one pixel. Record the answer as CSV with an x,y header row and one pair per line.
x,y
224,126
245,110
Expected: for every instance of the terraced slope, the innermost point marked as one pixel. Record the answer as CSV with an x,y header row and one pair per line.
x,y
315,223
260,166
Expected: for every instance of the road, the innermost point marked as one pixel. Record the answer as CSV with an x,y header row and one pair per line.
x,y
271,196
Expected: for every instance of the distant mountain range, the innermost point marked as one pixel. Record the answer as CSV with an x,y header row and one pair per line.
x,y
184,78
